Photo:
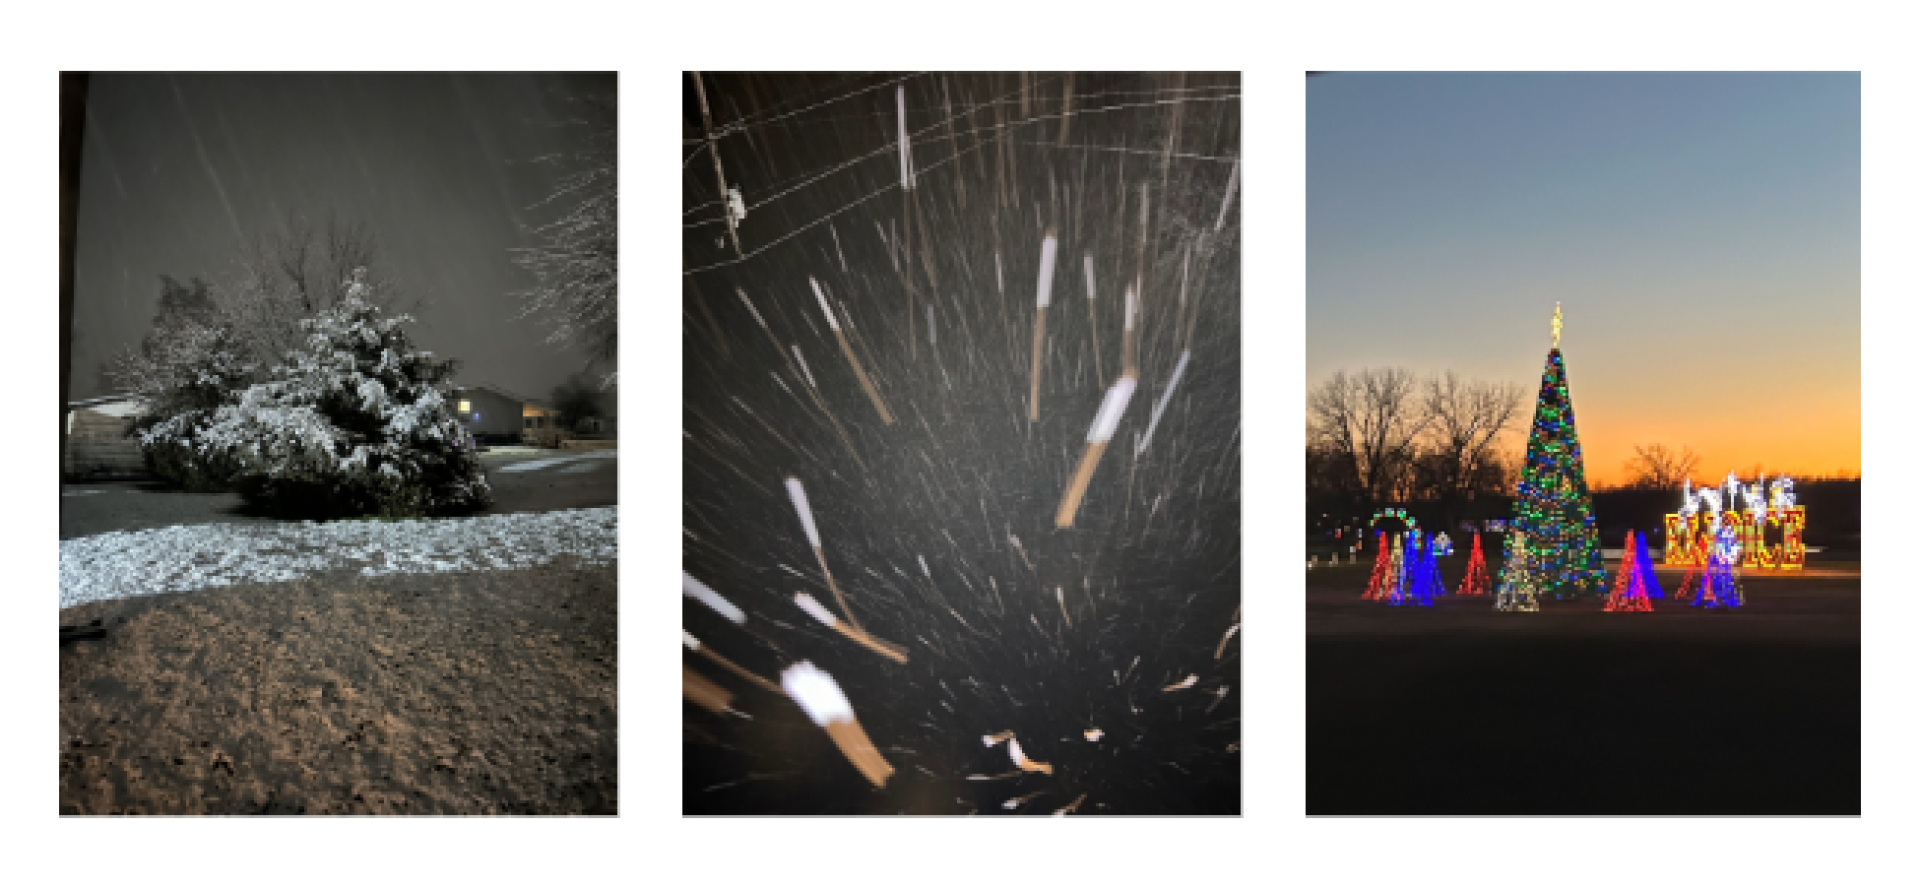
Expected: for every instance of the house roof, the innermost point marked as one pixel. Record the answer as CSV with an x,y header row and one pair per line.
x,y
118,405
110,398
503,392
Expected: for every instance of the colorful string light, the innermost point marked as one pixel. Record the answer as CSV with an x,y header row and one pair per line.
x,y
1720,586
1692,531
1397,584
1644,563
1476,583
1518,592
1553,511
1426,576
1629,593
1382,577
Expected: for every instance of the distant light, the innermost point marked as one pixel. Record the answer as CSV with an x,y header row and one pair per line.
x,y
466,406
476,416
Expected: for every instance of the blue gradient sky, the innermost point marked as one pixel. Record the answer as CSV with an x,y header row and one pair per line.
x,y
1702,231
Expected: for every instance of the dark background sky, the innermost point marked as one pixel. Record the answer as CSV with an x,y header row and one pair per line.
x,y
178,168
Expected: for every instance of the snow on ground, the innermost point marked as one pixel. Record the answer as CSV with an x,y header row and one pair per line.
x,y
184,558
539,463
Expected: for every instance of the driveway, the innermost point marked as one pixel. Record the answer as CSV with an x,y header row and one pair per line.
x,y
523,482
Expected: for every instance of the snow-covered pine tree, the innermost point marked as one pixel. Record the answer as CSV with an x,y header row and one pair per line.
x,y
357,422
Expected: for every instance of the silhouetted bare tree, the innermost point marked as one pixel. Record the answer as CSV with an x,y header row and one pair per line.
x,y
1369,422
1467,418
1656,467
294,272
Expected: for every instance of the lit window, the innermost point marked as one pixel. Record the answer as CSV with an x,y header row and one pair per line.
x,y
466,406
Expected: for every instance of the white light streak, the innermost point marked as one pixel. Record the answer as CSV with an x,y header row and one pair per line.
x,y
1048,248
697,589
822,296
813,608
906,163
799,496
1161,406
1233,183
803,366
1108,418
817,694
749,303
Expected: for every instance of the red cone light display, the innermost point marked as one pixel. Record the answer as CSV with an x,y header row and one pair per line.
x,y
1381,580
1476,584
1629,592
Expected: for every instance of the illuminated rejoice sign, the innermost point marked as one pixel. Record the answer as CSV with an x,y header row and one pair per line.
x,y
1692,532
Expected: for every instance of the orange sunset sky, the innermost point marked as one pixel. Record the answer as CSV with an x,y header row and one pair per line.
x,y
1702,232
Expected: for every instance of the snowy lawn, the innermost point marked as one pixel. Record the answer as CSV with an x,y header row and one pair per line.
x,y
184,558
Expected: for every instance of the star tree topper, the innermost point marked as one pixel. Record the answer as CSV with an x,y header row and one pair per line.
x,y
1556,325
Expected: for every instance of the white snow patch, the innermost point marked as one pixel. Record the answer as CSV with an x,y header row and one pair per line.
x,y
117,565
538,463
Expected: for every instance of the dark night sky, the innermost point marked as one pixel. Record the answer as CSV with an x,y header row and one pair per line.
x,y
179,167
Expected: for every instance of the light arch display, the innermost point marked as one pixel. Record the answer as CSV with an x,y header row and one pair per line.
x,y
1393,514
1746,510
1373,525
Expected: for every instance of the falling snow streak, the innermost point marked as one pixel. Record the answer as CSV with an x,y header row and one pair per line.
x,y
930,480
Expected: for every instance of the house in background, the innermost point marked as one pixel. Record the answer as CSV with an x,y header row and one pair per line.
x,y
498,417
97,442
605,426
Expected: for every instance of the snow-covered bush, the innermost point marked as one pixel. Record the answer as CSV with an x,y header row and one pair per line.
x,y
183,372
356,422
209,341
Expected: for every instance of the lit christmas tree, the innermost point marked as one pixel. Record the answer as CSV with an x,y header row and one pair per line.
x,y
1424,585
1476,583
1382,577
1433,568
1518,592
1647,580
1552,510
1396,585
1686,583
1629,594
1720,587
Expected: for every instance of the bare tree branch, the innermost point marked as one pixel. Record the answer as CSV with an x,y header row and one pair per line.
x,y
1369,421
1656,467
1467,419
576,258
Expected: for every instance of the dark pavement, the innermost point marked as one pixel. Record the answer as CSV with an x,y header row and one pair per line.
x,y
568,481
